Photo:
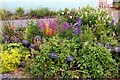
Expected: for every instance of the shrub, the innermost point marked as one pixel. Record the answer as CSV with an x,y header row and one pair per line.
x,y
11,55
38,13
31,31
18,46
96,62
10,60
53,59
20,11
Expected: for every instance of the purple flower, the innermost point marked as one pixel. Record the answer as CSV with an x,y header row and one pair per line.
x,y
71,26
79,21
6,38
76,31
108,46
53,56
17,39
25,42
38,37
65,25
70,58
112,22
117,49
50,23
32,46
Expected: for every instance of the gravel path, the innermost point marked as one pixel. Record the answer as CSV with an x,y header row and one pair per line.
x,y
23,23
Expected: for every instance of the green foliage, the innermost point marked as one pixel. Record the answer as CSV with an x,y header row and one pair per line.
x,y
3,14
65,15
11,33
96,62
18,46
20,11
38,13
19,33
117,31
31,31
43,65
5,30
100,23
10,60
11,55
1,39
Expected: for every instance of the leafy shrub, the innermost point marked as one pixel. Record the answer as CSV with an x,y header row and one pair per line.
x,y
21,49
20,11
51,61
38,13
99,21
11,55
101,24
96,62
10,60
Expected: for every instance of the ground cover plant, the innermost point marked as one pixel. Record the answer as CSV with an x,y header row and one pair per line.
x,y
80,43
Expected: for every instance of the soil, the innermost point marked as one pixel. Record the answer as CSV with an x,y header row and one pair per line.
x,y
18,73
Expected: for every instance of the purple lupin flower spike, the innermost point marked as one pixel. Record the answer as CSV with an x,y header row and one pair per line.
x,y
55,23
65,25
53,56
76,31
79,21
50,23
71,26
70,58
43,24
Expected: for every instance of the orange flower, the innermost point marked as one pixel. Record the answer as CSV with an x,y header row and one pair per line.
x,y
50,32
12,27
54,32
47,29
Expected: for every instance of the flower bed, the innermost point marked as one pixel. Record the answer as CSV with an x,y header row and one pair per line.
x,y
85,45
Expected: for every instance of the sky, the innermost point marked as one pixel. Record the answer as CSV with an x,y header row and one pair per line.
x,y
56,4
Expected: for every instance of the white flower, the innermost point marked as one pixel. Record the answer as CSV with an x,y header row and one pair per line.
x,y
70,17
62,12
68,12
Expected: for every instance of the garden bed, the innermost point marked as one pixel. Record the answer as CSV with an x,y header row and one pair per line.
x,y
77,44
